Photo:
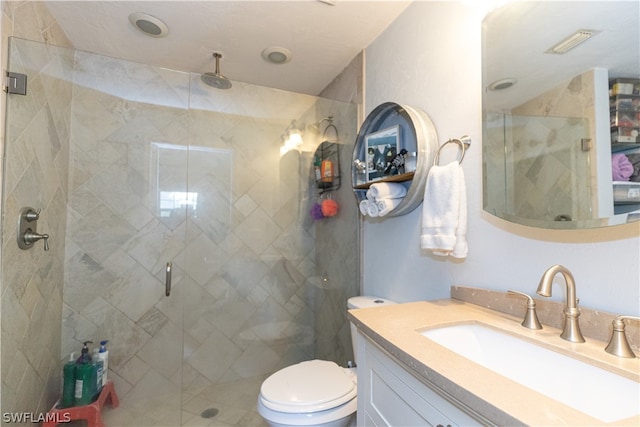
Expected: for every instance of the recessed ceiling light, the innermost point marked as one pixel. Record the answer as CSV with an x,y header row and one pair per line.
x,y
277,55
150,25
502,84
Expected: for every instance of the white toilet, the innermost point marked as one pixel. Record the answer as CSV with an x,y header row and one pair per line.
x,y
316,392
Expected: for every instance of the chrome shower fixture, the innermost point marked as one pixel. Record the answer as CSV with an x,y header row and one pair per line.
x,y
216,79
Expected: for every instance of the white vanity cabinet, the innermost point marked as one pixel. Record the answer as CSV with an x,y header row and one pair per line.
x,y
389,395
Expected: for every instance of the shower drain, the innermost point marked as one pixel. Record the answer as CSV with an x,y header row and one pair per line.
x,y
209,413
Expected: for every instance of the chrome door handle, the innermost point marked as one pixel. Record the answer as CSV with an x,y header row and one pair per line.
x,y
167,281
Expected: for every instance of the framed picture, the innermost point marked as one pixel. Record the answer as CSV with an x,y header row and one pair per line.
x,y
382,147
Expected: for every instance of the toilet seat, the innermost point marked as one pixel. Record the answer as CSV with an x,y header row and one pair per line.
x,y
312,386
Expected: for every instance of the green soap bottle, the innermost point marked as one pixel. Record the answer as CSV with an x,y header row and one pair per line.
x,y
85,378
68,382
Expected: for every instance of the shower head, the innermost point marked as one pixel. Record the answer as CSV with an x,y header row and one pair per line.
x,y
216,79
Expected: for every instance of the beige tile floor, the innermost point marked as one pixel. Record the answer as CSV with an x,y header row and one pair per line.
x,y
235,402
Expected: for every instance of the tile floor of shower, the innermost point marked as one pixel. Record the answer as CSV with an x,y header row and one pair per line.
x,y
235,404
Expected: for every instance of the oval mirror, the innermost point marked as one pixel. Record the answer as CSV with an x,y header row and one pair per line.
x,y
551,144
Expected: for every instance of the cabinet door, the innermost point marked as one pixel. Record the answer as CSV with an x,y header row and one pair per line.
x,y
388,395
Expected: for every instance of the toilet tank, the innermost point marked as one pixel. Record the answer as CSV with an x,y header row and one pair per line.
x,y
363,302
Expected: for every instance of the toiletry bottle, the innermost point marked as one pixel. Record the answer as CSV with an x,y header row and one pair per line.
x,y
326,171
316,168
99,371
410,161
103,355
85,378
68,382
84,353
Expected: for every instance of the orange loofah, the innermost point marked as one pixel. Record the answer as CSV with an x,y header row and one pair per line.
x,y
329,207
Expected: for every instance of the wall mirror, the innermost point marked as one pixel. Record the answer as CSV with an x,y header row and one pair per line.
x,y
547,144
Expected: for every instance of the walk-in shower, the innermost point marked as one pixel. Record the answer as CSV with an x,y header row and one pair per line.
x,y
133,167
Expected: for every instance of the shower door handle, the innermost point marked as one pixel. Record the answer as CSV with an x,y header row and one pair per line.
x,y
167,280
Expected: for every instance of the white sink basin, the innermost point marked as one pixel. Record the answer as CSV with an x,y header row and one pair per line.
x,y
591,390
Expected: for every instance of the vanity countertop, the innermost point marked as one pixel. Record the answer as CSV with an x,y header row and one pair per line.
x,y
505,402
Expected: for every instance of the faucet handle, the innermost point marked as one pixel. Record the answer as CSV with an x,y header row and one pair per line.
x,y
618,344
531,317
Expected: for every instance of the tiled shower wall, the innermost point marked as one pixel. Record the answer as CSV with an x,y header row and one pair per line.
x,y
29,374
35,176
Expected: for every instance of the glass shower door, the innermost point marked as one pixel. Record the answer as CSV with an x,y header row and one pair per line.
x,y
128,203
254,293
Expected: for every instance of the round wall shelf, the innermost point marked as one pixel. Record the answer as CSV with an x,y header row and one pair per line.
x,y
414,131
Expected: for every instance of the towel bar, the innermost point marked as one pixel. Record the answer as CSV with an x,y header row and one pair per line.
x,y
463,142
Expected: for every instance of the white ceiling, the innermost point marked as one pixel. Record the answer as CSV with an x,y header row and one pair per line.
x,y
323,38
516,37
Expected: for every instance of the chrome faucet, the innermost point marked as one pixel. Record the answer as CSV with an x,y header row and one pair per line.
x,y
571,331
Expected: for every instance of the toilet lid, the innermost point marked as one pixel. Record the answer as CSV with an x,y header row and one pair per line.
x,y
310,386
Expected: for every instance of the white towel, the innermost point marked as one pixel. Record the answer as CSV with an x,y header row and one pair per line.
x,y
368,208
387,205
364,207
444,211
385,190
372,209
370,196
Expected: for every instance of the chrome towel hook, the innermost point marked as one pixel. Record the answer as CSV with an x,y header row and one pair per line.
x,y
464,142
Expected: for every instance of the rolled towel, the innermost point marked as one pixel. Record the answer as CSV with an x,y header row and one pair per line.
x,y
370,196
372,209
387,205
621,167
387,190
364,207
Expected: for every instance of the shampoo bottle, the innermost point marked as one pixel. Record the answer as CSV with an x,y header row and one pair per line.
x,y
84,354
98,366
103,355
85,378
68,382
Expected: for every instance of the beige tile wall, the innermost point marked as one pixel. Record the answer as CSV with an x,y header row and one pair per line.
x,y
32,279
